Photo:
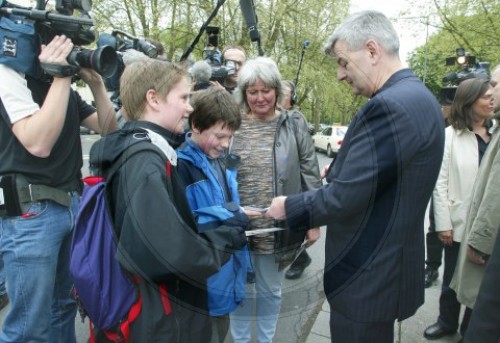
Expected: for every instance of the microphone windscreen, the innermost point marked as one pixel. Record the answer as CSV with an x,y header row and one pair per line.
x,y
201,71
130,56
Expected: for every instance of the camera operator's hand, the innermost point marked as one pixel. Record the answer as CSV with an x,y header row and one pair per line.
x,y
56,51
53,58
217,84
90,76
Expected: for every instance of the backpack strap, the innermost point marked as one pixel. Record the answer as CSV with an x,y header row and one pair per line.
x,y
136,148
131,151
123,332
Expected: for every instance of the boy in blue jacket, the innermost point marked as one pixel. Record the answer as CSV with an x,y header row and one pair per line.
x,y
208,171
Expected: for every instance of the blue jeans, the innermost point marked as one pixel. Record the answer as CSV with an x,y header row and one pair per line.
x,y
3,290
265,296
35,250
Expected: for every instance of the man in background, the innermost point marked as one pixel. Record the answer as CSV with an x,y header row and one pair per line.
x,y
236,55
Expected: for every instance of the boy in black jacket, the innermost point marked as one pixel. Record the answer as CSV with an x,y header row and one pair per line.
x,y
158,241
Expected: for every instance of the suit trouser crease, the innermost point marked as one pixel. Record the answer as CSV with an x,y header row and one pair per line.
x,y
345,330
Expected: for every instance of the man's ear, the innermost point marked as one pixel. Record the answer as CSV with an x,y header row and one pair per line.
x,y
373,49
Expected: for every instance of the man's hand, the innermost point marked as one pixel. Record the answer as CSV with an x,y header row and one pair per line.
x,y
277,209
312,235
56,51
446,237
475,256
90,76
252,214
324,171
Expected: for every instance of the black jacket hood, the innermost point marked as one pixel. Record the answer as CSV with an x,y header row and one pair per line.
x,y
108,149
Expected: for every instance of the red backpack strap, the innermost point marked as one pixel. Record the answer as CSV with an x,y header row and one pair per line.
x,y
164,299
168,167
123,334
92,334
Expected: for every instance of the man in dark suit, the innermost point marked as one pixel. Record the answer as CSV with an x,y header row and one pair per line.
x,y
381,183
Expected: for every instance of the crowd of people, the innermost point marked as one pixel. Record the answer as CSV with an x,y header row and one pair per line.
x,y
207,227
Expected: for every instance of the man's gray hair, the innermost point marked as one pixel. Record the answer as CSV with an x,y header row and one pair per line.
x,y
259,68
364,25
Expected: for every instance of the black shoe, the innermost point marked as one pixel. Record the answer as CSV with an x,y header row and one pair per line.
x,y
436,331
431,275
296,269
4,301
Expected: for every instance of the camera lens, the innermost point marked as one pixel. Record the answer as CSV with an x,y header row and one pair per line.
x,y
103,60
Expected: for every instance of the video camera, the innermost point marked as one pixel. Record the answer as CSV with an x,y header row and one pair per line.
x,y
121,41
128,49
469,68
212,54
24,29
478,70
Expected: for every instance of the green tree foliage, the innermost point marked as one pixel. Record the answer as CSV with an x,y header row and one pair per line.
x,y
470,24
284,25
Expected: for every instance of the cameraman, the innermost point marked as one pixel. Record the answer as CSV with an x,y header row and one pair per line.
x,y
237,55
41,159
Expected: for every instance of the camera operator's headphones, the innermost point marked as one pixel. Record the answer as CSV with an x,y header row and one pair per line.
x,y
293,93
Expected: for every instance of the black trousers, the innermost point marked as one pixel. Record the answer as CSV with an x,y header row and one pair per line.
x,y
449,307
345,330
434,247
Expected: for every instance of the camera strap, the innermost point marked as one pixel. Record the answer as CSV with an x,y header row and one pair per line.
x,y
58,70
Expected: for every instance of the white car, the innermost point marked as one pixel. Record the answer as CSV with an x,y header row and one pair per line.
x,y
329,139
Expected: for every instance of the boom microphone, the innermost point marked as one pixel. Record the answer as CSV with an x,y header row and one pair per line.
x,y
248,10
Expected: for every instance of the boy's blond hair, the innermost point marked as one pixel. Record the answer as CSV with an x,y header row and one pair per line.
x,y
139,77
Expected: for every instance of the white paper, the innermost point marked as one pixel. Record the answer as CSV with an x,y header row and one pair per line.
x,y
256,209
261,231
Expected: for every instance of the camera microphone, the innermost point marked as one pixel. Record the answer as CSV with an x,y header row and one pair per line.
x,y
248,10
130,56
201,71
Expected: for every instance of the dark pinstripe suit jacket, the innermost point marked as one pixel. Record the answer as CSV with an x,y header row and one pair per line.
x,y
374,207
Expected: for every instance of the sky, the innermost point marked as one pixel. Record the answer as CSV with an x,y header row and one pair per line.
x,y
412,32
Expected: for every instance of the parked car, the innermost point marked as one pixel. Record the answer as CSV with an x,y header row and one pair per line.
x,y
329,139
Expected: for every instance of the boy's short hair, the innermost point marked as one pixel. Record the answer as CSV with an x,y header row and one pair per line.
x,y
139,77
214,105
